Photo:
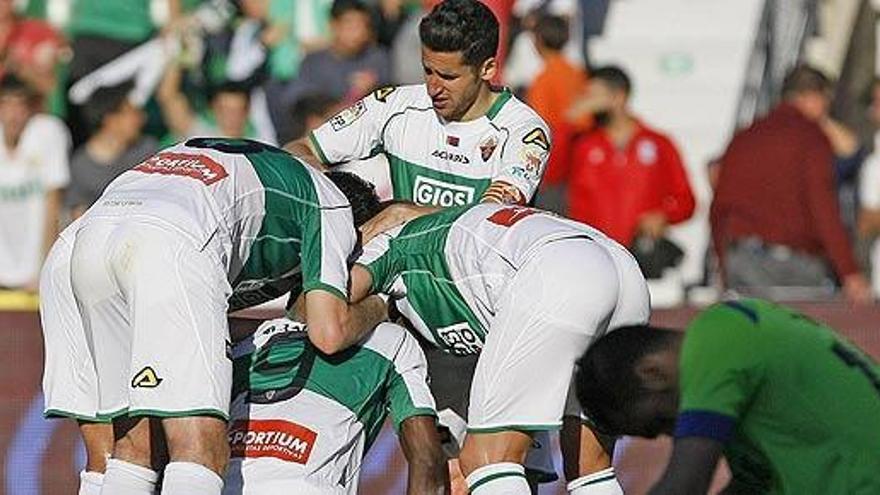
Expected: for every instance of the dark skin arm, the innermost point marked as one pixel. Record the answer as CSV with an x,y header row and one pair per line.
x,y
420,442
691,467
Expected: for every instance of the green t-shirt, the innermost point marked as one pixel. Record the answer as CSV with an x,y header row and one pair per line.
x,y
126,20
797,406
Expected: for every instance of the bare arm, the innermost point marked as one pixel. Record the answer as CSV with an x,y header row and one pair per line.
x,y
394,215
691,467
335,325
420,442
303,149
175,107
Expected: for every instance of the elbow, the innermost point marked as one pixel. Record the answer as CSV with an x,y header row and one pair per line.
x,y
327,339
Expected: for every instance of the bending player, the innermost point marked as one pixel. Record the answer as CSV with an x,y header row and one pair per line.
x,y
794,407
301,423
525,290
136,295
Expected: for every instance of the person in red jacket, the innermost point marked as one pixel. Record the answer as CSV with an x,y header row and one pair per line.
x,y
626,179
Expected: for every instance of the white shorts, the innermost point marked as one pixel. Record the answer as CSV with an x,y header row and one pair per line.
x,y
153,308
559,302
70,385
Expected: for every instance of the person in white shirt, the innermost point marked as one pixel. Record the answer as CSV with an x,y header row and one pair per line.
x,y
33,171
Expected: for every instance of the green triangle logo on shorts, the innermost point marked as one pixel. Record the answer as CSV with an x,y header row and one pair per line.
x,y
146,378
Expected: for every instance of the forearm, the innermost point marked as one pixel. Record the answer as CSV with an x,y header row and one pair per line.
x,y
363,317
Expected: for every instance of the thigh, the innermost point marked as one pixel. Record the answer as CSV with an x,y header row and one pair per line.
x,y
552,308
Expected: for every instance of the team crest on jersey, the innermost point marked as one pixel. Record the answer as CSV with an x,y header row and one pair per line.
x,y
146,378
382,94
348,116
538,137
487,147
199,167
284,440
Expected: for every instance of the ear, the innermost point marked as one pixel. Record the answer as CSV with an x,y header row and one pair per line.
x,y
653,371
489,69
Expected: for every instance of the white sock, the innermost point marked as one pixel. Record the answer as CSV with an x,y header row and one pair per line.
x,y
603,482
90,482
503,478
125,478
189,478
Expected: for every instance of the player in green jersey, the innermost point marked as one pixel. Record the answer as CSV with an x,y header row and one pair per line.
x,y
793,406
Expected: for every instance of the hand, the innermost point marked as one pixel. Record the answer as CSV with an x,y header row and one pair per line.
x,y
653,224
857,289
392,216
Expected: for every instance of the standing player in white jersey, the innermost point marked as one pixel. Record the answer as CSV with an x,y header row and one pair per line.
x,y
526,290
301,423
142,283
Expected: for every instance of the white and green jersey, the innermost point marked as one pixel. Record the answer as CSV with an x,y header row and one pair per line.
x,y
298,414
434,162
448,270
281,225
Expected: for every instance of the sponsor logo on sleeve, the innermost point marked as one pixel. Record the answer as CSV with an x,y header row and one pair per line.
x,y
427,191
538,137
460,339
348,116
196,166
382,94
283,440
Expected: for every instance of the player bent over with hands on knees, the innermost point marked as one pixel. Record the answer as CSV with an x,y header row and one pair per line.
x,y
526,290
136,295
301,423
793,406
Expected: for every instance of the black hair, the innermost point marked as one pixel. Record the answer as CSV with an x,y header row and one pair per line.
x,y
552,31
105,101
361,195
229,87
465,26
312,105
13,85
606,383
613,76
340,7
805,78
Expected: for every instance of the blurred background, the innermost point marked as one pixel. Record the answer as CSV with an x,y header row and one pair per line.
x,y
729,144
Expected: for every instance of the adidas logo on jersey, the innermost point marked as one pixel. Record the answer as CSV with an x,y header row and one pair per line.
x,y
435,192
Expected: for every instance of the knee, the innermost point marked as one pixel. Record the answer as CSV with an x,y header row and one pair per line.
x,y
200,440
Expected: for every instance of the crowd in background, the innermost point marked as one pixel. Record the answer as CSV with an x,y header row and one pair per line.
x,y
90,88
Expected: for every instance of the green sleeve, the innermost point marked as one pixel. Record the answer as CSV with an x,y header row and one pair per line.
x,y
721,362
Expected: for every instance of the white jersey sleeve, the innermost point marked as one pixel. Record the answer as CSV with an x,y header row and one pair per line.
x,y
355,133
525,156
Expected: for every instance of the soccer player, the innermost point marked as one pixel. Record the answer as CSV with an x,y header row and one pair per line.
x,y
137,293
525,290
794,407
301,422
452,141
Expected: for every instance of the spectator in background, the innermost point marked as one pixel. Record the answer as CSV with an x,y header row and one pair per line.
x,y
775,218
116,146
309,113
551,95
33,171
626,178
353,65
30,49
869,197
227,115
849,155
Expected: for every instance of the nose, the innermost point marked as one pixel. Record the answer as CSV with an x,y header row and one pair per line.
x,y
434,86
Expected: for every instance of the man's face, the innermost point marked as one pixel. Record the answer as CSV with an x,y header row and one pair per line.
x,y
352,33
654,410
452,85
607,101
15,111
128,121
813,104
231,111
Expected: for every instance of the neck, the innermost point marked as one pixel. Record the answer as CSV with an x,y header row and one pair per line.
x,y
481,105
11,140
621,128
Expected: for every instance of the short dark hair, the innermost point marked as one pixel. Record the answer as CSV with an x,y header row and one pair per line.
x,y
361,195
341,7
613,76
804,78
552,31
606,382
105,101
465,26
314,104
10,84
229,87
